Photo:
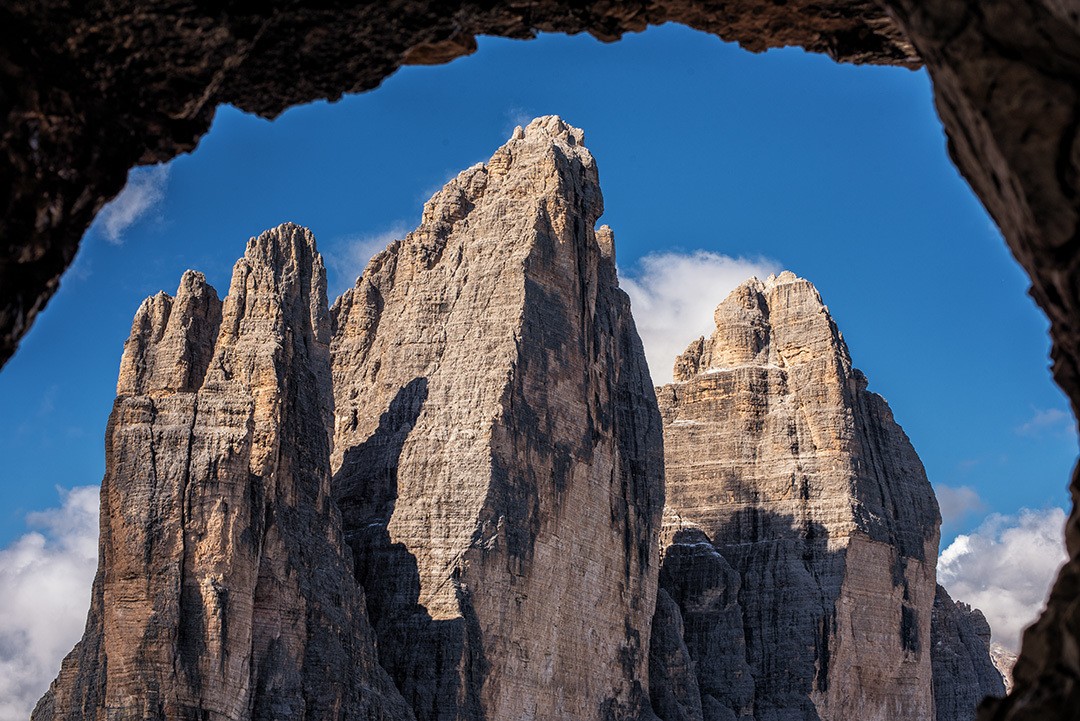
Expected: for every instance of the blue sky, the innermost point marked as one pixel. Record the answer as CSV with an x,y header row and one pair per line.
x,y
838,173
716,162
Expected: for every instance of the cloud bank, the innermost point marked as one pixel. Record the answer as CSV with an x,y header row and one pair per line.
x,y
673,296
45,579
143,194
1005,568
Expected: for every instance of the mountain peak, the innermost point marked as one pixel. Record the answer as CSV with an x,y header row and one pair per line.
x,y
542,166
811,492
778,321
548,129
285,245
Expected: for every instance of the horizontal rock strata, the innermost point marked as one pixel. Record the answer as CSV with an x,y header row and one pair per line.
x,y
795,499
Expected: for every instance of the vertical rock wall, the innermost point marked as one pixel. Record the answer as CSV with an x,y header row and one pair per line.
x,y
964,673
224,588
792,487
498,456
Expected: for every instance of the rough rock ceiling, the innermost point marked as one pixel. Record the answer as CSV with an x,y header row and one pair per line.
x,y
89,90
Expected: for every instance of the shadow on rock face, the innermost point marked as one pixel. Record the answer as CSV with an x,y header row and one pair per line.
x,y
422,655
749,605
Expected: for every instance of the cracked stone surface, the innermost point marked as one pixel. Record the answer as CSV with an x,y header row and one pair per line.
x,y
964,670
497,447
799,515
224,589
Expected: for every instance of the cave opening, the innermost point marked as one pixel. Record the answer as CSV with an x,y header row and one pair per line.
x,y
918,284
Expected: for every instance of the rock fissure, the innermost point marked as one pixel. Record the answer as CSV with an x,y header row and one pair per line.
x,y
781,463
314,512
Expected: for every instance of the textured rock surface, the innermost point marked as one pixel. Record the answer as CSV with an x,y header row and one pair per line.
x,y
1003,660
704,622
673,684
224,588
964,673
782,463
91,90
497,455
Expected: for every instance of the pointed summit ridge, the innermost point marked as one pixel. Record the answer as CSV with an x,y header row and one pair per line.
x,y
492,403
171,340
781,321
546,159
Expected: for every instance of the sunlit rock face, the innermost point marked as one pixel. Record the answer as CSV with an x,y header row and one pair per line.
x,y
964,671
92,93
498,448
224,589
1003,660
798,509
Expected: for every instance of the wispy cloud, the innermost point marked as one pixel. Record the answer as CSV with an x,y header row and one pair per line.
x,y
1005,568
969,464
1047,421
45,579
673,296
516,116
143,194
958,503
347,257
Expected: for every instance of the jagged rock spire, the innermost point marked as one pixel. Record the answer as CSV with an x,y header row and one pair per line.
x,y
224,589
497,447
964,672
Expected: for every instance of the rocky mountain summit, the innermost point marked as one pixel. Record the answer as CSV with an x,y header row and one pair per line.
x,y
482,400
497,447
224,588
443,498
801,532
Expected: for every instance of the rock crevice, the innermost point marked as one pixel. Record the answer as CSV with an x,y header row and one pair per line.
x,y
802,531
514,508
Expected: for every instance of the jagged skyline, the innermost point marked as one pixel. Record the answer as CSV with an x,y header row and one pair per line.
x,y
63,356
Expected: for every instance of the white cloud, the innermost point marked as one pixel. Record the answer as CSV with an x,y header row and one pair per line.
x,y
957,503
142,195
347,257
1047,421
45,579
673,296
1005,568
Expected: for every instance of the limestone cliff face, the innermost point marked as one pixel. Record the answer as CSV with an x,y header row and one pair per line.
x,y
1004,660
795,497
964,673
704,620
224,589
498,449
